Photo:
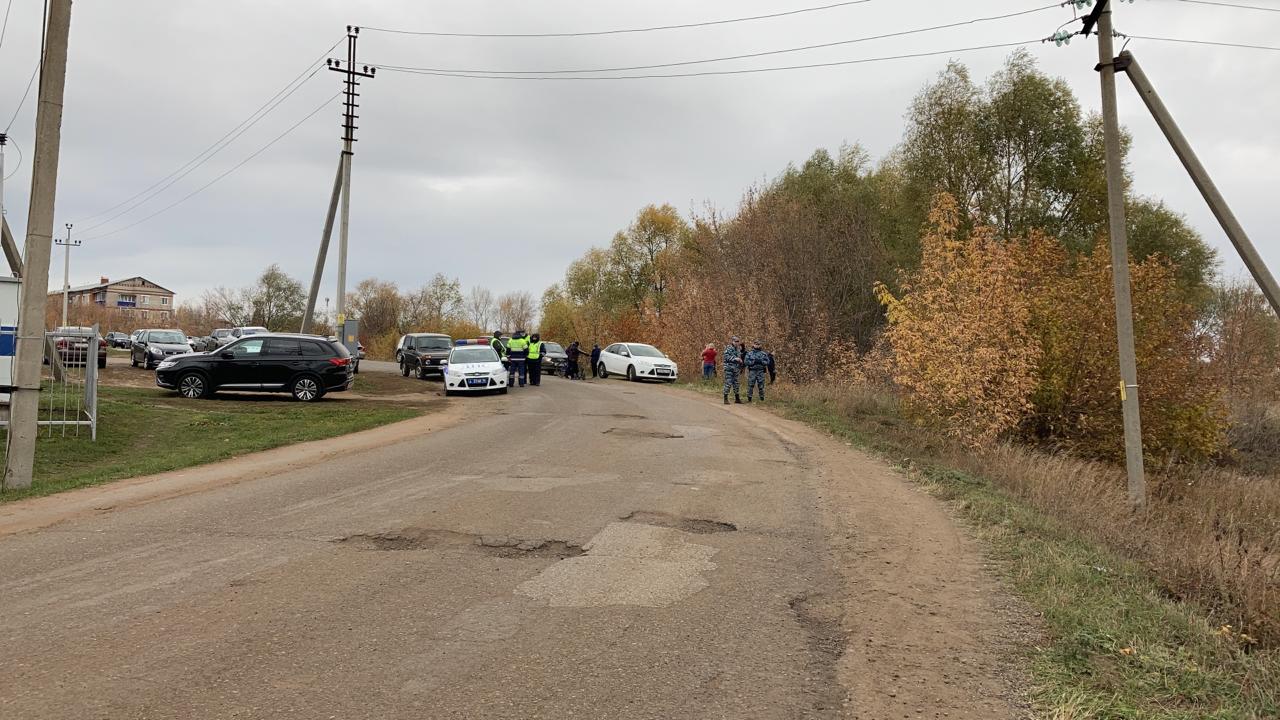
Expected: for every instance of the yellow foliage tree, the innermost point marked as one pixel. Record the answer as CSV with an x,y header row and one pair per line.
x,y
960,330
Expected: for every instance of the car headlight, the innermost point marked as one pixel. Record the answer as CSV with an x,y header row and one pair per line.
x,y
166,365
156,351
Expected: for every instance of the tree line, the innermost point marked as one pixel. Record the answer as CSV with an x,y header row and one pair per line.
x,y
967,270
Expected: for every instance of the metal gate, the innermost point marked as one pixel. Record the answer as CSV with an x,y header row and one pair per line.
x,y
69,383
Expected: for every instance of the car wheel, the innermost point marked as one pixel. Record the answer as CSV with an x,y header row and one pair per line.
x,y
193,385
356,369
306,389
404,368
422,373
399,357
603,372
631,373
133,360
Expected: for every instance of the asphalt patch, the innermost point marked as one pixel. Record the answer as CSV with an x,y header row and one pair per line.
x,y
697,526
819,619
491,545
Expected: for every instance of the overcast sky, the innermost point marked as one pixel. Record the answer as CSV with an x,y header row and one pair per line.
x,y
503,183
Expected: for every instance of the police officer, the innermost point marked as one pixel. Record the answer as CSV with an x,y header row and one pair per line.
x,y
534,360
496,344
757,362
517,353
732,360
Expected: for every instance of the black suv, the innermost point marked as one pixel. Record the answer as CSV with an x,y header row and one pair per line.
x,y
422,353
306,366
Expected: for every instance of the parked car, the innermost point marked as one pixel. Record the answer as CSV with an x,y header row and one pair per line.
x,y
553,358
222,336
422,354
72,345
474,368
150,347
306,366
117,340
636,361
246,331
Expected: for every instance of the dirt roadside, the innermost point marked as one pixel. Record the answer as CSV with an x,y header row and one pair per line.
x,y
40,512
929,629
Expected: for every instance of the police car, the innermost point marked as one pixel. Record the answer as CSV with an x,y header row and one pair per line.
x,y
473,366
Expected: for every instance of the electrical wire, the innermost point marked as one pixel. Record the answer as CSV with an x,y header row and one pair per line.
x,y
1230,5
227,172
745,56
620,31
218,145
707,73
39,65
1201,42
20,156
5,28
181,173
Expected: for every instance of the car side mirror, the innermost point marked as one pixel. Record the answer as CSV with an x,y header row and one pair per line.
x,y
228,356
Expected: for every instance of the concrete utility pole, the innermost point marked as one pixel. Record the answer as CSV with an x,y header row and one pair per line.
x,y
11,253
342,184
1120,256
308,315
1227,219
66,271
25,403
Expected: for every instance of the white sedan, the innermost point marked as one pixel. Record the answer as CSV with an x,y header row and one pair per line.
x,y
637,361
474,368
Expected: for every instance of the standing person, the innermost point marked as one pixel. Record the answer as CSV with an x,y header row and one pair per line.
x,y
773,369
595,360
732,361
572,353
709,361
757,362
534,360
518,353
496,343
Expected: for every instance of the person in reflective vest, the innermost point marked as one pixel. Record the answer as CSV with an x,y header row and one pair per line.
x,y
517,353
534,360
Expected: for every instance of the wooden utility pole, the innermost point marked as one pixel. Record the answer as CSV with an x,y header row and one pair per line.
x,y
1227,219
1128,384
25,402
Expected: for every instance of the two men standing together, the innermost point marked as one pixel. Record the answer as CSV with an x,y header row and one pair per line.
x,y
755,361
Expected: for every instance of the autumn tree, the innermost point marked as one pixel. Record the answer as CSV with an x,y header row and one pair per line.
x,y
433,306
276,301
479,307
516,311
377,303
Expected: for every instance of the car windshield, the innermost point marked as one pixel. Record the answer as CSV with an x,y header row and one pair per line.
x,y
472,355
645,351
432,343
168,337
553,347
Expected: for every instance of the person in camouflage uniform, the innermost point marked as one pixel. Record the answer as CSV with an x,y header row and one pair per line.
x,y
732,364
757,362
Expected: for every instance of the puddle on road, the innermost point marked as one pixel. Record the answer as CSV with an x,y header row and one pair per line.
x,y
625,564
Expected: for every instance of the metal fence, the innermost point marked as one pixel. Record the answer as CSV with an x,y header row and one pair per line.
x,y
69,384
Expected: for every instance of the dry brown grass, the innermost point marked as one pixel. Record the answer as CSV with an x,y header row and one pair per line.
x,y
1209,535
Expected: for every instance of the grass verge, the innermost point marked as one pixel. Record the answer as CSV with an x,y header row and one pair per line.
x,y
146,430
1119,645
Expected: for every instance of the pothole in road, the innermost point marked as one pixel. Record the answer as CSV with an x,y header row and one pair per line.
x,y
632,432
819,619
619,416
493,545
695,526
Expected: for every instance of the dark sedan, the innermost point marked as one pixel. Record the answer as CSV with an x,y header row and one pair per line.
x,y
150,347
304,366
553,358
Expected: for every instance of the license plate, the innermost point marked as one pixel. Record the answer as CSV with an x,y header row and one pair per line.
x,y
477,382
664,372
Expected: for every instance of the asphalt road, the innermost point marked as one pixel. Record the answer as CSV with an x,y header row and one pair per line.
x,y
581,550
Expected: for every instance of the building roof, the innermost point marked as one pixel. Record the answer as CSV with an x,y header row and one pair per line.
x,y
105,285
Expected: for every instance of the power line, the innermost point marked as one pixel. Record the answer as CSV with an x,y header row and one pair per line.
x,y
620,31
230,170
1201,42
1230,5
218,145
23,100
766,53
4,28
706,73
44,20
20,156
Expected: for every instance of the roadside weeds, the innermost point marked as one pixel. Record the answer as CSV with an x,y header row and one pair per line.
x,y
1119,646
